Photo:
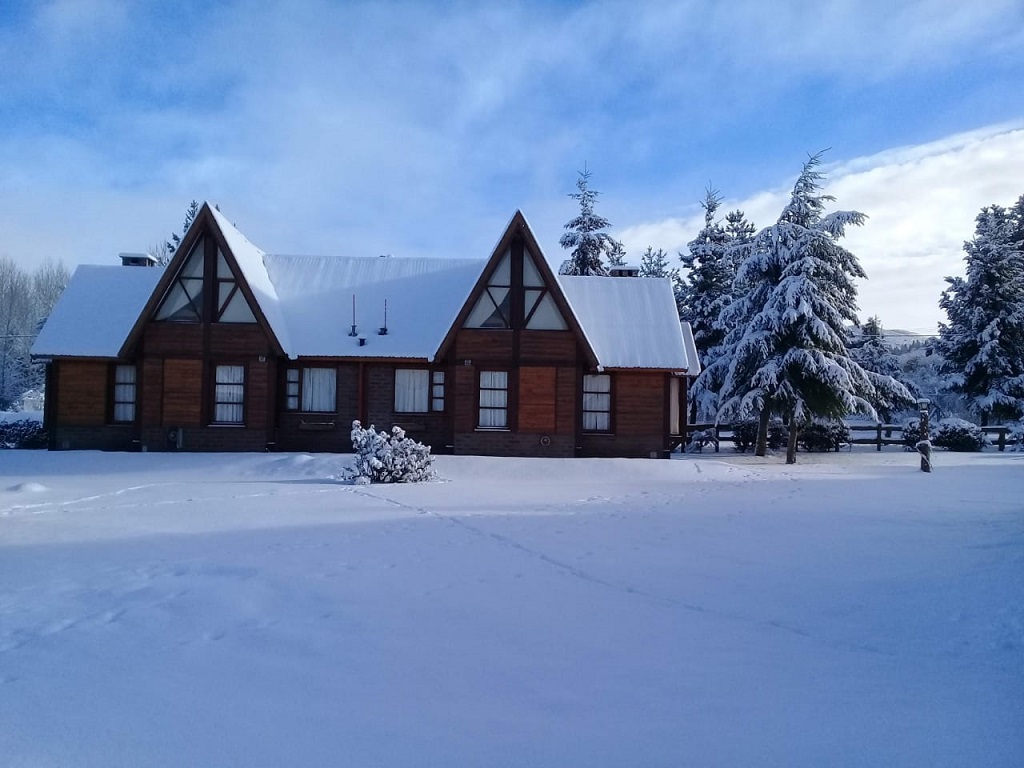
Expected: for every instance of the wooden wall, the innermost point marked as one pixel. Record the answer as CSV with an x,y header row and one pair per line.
x,y
83,389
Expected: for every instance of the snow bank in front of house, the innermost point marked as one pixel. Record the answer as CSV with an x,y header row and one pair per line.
x,y
709,610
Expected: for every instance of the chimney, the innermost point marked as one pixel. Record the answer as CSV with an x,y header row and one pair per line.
x,y
137,260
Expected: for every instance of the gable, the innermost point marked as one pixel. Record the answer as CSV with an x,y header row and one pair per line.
x,y
516,291
516,295
205,288
216,276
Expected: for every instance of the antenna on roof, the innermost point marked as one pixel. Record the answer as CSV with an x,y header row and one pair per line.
x,y
353,331
384,328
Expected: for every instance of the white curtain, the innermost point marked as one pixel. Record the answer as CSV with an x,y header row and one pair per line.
x,y
597,402
319,390
229,394
493,398
412,388
124,393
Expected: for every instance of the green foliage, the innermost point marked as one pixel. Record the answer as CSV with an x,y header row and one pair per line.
x,y
822,436
958,435
744,434
24,433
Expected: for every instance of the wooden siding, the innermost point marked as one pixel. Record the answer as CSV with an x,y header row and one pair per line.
x,y
238,340
537,399
640,404
484,346
151,390
182,393
178,339
537,347
83,393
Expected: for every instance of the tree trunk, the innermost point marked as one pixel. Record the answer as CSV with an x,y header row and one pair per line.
x,y
791,448
762,432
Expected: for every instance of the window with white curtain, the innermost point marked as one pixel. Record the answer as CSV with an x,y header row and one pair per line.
x,y
597,402
494,399
412,390
229,394
311,390
124,393
319,390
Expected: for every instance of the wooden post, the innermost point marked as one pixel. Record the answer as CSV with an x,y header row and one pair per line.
x,y
924,446
879,437
1002,439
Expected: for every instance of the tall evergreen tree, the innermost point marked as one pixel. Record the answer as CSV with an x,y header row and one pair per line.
x,y
707,291
871,352
793,358
983,342
585,234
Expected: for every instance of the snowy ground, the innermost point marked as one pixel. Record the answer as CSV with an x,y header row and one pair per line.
x,y
247,610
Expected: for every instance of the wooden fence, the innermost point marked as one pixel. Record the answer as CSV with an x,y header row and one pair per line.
x,y
877,435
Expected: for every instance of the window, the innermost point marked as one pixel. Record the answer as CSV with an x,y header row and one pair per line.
x,y
411,390
437,391
597,402
229,394
124,393
494,307
184,300
314,390
494,399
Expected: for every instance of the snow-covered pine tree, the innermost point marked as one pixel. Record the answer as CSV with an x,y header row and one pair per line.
x,y
585,237
706,292
617,255
983,342
793,358
871,352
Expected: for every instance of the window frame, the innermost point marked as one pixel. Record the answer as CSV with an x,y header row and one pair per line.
x,y
215,402
113,388
608,412
297,389
507,389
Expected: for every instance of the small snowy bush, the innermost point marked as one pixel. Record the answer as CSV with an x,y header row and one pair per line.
x,y
744,434
388,458
23,433
958,435
824,436
911,434
1015,437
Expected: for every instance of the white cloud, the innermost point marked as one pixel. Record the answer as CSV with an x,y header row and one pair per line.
x,y
921,203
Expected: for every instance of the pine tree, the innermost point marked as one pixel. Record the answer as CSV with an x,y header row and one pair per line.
x,y
617,255
655,263
793,357
983,342
871,352
171,246
585,236
707,291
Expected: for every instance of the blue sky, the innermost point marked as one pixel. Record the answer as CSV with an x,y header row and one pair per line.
x,y
419,128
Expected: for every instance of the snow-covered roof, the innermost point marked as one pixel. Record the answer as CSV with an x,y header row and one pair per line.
x,y
250,261
315,297
630,322
96,311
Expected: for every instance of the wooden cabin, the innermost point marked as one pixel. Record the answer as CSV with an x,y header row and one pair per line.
x,y
233,349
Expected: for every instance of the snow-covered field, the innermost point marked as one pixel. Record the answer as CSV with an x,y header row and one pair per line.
x,y
248,610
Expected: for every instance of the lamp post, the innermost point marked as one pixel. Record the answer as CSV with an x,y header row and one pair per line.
x,y
924,445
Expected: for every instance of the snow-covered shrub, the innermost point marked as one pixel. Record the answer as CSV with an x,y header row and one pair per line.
x,y
23,433
911,434
389,458
701,439
744,434
1015,436
958,435
824,436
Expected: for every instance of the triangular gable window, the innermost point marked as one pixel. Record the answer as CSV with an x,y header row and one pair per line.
x,y
539,307
184,300
492,309
537,310
231,304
